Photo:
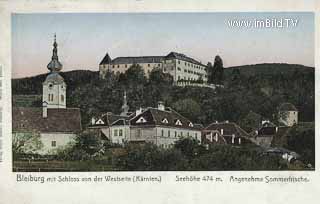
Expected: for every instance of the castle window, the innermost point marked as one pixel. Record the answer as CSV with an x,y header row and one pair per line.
x,y
118,66
120,133
162,133
115,132
112,66
53,143
168,133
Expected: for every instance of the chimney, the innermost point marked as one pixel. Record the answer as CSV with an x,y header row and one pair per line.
x,y
161,106
44,109
93,121
138,111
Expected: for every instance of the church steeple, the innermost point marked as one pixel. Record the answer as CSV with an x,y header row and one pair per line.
x,y
125,107
54,88
54,65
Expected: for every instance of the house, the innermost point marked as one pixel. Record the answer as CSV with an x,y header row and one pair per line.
x,y
225,133
113,127
53,125
287,114
179,66
162,126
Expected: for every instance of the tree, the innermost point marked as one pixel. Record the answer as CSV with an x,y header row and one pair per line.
x,y
218,70
26,143
188,108
210,73
189,147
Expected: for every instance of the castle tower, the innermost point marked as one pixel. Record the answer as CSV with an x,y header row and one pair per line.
x,y
54,88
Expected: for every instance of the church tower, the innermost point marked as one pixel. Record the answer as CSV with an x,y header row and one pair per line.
x,y
125,107
54,88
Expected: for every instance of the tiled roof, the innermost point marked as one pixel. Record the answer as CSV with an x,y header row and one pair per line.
x,y
137,60
58,120
287,107
267,131
184,58
148,59
155,116
229,128
112,119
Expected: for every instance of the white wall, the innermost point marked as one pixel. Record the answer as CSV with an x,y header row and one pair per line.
x,y
57,90
62,141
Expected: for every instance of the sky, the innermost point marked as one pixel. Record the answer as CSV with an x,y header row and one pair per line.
x,y
84,38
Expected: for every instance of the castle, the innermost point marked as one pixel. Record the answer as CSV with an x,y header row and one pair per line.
x,y
179,66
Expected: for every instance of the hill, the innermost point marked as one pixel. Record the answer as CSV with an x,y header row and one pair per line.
x,y
269,69
33,85
259,88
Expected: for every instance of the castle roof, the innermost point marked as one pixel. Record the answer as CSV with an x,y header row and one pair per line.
x,y
137,60
106,60
183,57
65,120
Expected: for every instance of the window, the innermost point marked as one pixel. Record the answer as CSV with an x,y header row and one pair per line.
x,y
162,133
141,120
120,133
115,132
165,120
50,86
148,65
196,135
188,134
112,66
178,61
181,134
118,66
178,122
62,98
53,143
50,97
125,66
175,133
190,124
179,68
168,133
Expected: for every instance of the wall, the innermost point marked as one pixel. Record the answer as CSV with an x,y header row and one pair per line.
x,y
57,90
62,141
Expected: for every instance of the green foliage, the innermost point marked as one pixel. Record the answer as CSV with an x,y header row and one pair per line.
x,y
187,107
25,143
149,157
302,140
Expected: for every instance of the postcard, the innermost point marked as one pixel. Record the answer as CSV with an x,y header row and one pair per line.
x,y
183,105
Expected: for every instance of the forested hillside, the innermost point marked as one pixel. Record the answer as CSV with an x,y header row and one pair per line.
x,y
259,88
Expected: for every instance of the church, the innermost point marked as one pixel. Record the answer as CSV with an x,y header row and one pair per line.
x,y
44,130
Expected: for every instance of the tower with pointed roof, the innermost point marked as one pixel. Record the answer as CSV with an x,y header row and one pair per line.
x,y
125,107
54,87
